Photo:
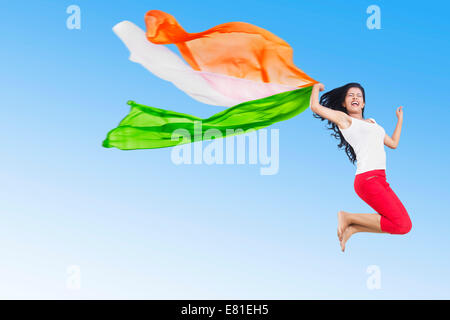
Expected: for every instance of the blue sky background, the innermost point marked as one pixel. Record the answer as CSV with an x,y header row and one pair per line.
x,y
140,227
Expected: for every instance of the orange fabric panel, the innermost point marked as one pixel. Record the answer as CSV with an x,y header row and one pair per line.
x,y
236,49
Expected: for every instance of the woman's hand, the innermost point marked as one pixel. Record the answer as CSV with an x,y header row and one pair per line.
x,y
314,101
319,86
399,113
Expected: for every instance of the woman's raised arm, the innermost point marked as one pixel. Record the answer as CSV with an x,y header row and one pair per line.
x,y
393,142
335,116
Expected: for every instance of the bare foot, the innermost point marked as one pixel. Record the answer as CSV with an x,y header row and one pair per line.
x,y
342,223
348,232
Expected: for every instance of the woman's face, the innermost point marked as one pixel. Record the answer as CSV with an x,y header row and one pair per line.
x,y
354,101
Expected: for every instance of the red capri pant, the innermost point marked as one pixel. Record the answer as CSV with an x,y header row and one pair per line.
x,y
372,187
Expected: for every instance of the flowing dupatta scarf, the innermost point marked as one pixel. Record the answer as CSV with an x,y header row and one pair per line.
x,y
236,65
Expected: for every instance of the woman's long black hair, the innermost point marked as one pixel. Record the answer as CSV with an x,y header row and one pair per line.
x,y
333,99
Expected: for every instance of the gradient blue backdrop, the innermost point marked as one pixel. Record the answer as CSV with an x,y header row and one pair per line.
x,y
140,227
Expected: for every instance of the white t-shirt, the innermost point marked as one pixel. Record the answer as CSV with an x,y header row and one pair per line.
x,y
367,140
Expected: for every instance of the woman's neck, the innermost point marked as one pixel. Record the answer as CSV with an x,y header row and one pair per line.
x,y
357,116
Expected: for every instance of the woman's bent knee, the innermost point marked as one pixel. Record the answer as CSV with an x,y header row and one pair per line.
x,y
404,227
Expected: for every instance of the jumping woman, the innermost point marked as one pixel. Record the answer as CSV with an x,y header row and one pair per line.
x,y
364,142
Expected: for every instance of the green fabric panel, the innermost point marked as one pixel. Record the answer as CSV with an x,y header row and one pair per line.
x,y
148,127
